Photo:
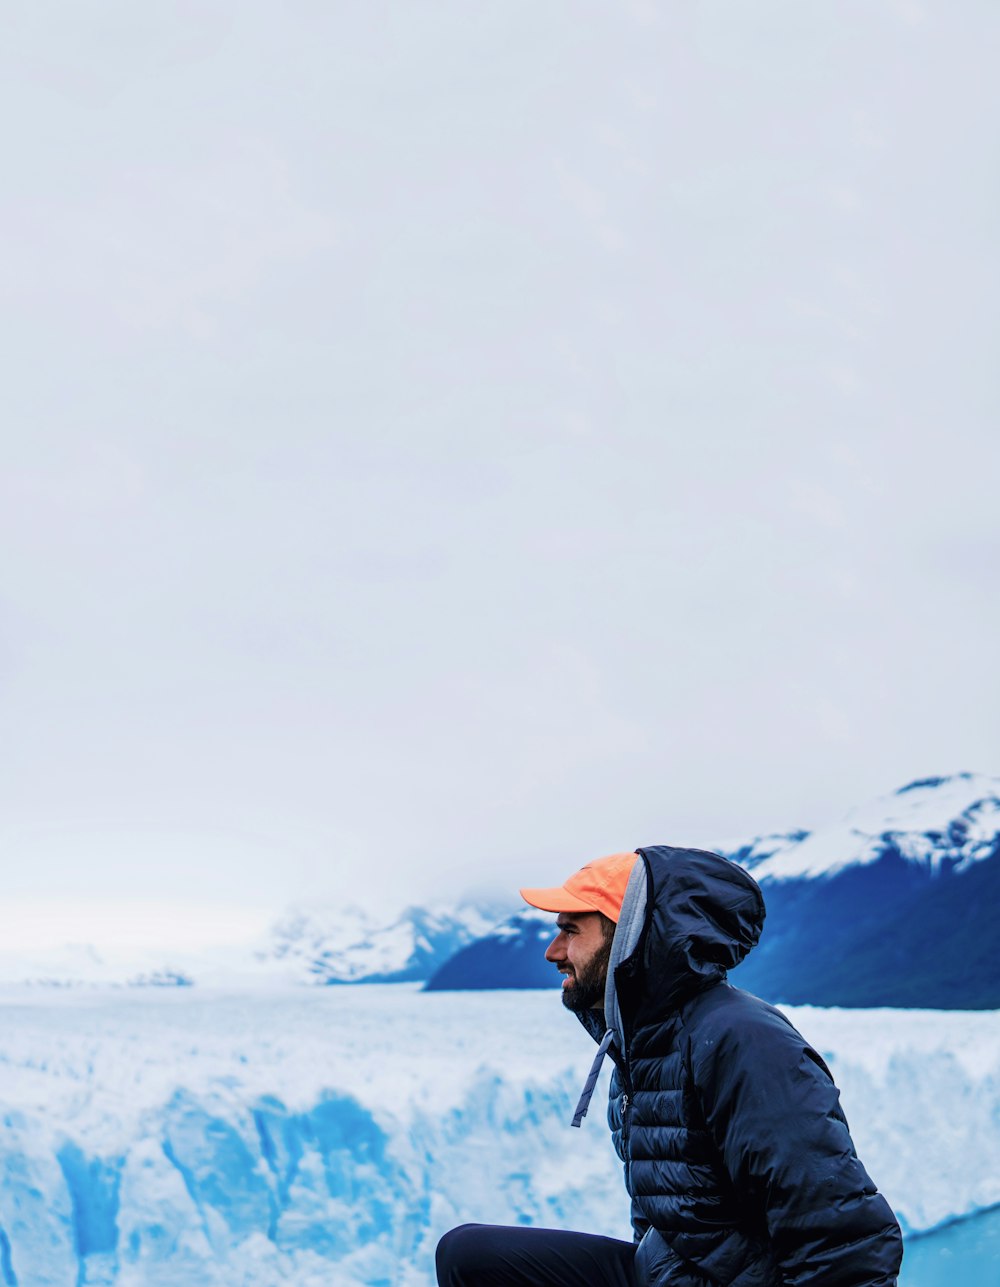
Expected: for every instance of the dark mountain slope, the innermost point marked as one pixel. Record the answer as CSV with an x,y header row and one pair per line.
x,y
512,956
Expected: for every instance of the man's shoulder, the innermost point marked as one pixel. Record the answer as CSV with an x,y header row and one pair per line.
x,y
723,1014
732,1034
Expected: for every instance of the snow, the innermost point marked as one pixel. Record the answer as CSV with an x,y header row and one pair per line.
x,y
953,819
301,1136
530,921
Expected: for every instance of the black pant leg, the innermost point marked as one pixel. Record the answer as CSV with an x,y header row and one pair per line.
x,y
488,1255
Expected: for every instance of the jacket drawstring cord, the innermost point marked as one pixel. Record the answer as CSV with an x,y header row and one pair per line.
x,y
591,1082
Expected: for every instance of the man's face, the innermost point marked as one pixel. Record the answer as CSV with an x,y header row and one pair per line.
x,y
581,952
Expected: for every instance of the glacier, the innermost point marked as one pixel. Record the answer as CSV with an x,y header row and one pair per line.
x,y
318,1136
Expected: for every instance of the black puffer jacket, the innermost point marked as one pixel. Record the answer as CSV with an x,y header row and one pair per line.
x,y
737,1154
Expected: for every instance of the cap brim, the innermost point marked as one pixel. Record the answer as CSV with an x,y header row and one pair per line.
x,y
555,900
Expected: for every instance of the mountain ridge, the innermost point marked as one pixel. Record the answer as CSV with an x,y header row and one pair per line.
x,y
851,908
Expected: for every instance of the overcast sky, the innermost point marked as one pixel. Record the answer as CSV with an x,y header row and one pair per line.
x,y
445,442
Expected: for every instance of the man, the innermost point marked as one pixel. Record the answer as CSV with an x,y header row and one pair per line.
x,y
737,1156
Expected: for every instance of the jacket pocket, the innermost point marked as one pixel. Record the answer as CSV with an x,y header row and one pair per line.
x,y
658,1265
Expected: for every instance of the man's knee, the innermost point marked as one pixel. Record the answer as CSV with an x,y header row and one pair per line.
x,y
459,1253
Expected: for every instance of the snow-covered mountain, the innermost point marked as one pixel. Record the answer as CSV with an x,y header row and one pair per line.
x,y
936,824
315,944
896,905
892,906
345,944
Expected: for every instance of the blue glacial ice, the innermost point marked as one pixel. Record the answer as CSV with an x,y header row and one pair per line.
x,y
331,1136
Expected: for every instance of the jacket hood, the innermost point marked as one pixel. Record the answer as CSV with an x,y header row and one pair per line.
x,y
707,912
688,917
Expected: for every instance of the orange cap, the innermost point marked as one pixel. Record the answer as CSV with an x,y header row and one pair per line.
x,y
598,887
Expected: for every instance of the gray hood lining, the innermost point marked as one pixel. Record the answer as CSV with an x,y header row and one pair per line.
x,y
631,919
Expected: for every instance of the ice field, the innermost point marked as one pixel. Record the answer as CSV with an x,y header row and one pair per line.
x,y
183,1136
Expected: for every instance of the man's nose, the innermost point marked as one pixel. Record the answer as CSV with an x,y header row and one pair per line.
x,y
556,950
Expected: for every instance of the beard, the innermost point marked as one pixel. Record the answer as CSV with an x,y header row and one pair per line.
x,y
585,991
